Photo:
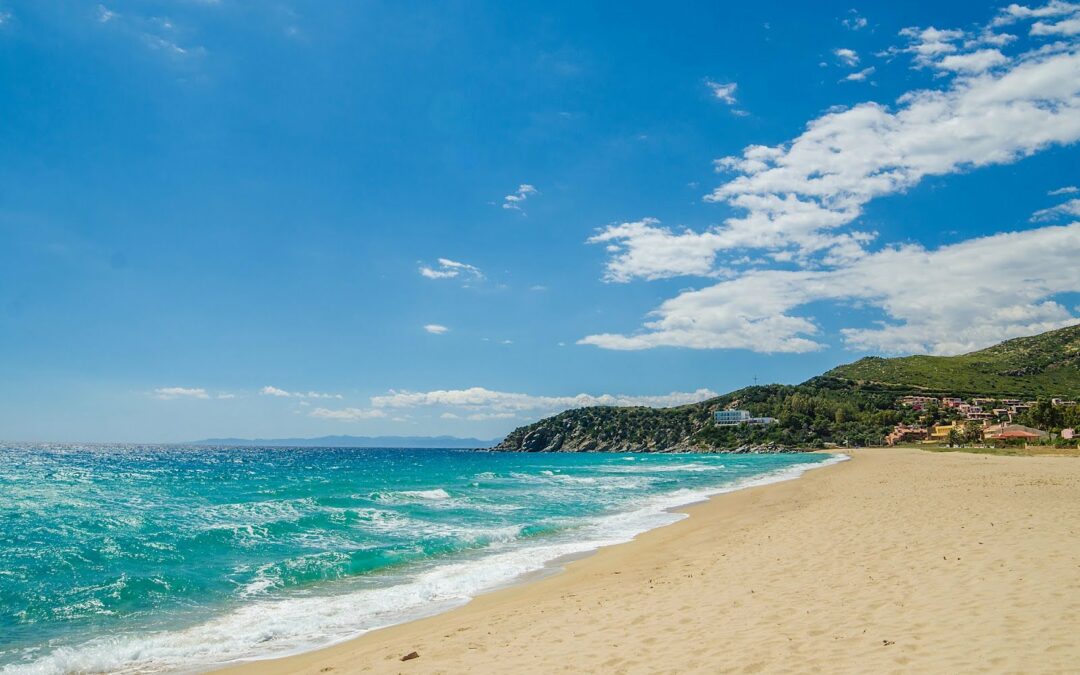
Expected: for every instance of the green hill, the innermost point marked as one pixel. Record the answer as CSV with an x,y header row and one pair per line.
x,y
1041,365
854,404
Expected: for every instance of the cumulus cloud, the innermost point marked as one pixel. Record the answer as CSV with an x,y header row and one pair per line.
x,y
797,204
928,45
515,201
973,62
645,249
1055,18
347,414
169,393
861,75
1067,190
723,91
1015,12
483,417
847,57
435,328
1070,208
854,21
944,301
275,391
1069,26
481,401
477,404
799,195
451,269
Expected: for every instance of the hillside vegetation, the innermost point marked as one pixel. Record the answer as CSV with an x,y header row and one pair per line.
x,y
808,416
1041,365
854,404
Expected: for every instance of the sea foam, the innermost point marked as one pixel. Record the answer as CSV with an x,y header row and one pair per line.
x,y
493,549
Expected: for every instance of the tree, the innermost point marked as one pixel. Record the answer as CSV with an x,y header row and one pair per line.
x,y
1070,417
973,432
1045,415
954,438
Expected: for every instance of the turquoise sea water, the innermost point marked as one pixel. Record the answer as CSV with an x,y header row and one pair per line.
x,y
147,559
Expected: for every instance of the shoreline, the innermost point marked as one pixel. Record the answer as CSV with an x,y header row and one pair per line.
x,y
677,508
899,559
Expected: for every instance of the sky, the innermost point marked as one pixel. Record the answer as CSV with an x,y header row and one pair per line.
x,y
280,219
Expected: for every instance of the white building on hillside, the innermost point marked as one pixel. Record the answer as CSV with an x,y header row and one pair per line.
x,y
729,418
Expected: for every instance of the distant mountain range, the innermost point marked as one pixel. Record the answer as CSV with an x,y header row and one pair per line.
x,y
351,442
852,404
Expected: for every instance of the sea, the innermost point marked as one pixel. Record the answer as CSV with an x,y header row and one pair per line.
x,y
144,559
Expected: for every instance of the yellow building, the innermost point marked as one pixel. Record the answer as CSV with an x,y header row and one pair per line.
x,y
939,433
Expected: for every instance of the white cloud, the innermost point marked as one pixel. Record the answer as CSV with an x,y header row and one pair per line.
x,y
847,57
164,44
1069,208
515,201
169,393
644,249
943,301
724,91
275,391
104,14
347,414
854,22
796,195
1067,190
797,203
477,401
451,269
861,75
483,417
927,45
436,329
155,32
1064,18
973,63
1015,12
1066,27
225,396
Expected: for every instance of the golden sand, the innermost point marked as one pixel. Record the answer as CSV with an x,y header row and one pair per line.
x,y
897,561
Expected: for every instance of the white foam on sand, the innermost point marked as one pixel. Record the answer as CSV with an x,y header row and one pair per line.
x,y
269,628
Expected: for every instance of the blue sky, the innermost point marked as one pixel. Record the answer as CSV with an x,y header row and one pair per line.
x,y
283,219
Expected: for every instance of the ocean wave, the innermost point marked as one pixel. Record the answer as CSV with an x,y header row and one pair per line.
x,y
692,467
437,493
473,558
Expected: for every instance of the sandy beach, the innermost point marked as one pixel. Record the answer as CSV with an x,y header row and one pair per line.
x,y
897,561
